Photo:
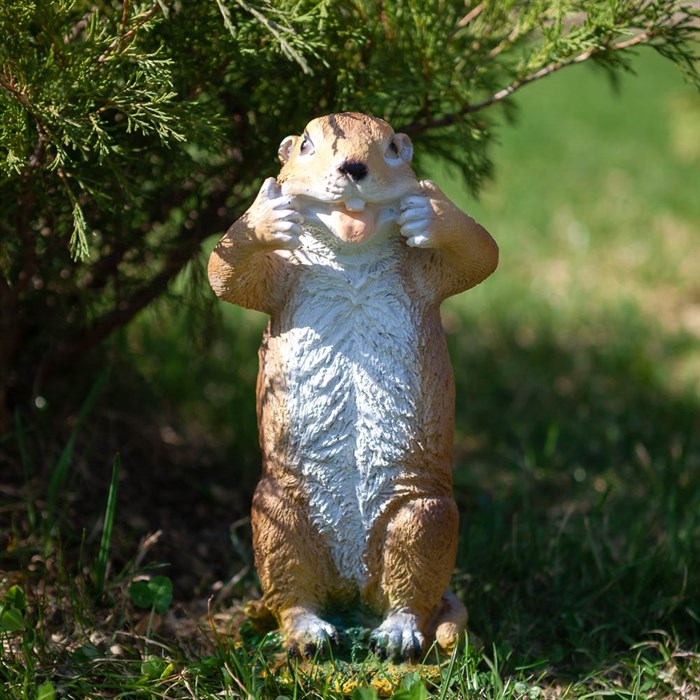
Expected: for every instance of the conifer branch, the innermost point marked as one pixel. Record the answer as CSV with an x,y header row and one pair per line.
x,y
464,21
37,158
450,119
79,27
123,39
276,30
641,38
7,82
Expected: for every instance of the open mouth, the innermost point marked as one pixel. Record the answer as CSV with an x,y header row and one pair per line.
x,y
351,221
355,204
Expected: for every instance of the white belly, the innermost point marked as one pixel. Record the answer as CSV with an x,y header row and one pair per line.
x,y
352,383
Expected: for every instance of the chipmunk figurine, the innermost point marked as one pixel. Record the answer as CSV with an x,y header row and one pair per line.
x,y
351,256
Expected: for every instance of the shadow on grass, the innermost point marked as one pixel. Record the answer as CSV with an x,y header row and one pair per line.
x,y
578,479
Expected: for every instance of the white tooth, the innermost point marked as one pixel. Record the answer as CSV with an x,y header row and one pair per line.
x,y
355,204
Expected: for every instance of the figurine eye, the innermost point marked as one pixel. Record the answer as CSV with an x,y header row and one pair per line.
x,y
307,147
393,151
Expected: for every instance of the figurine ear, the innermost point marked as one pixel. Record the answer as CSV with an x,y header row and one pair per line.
x,y
405,147
286,148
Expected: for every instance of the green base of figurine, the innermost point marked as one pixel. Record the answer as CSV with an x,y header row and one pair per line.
x,y
348,665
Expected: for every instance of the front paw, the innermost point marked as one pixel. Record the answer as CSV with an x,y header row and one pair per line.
x,y
273,219
398,638
306,634
416,220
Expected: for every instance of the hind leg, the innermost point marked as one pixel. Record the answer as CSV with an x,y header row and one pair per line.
x,y
417,555
448,622
295,569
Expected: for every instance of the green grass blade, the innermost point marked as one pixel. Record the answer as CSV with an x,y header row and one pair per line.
x,y
26,465
106,539
91,398
59,473
58,476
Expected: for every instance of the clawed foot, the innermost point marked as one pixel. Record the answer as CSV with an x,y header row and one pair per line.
x,y
307,634
398,638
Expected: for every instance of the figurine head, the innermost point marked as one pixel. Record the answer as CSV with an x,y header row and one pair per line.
x,y
350,159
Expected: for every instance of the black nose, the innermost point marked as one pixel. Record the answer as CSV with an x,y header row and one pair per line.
x,y
354,169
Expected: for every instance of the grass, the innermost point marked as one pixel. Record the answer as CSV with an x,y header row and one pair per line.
x,y
577,456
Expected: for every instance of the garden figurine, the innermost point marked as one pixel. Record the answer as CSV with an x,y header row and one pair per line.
x,y
351,256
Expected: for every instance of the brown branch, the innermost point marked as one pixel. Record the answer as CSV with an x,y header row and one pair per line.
x,y
508,41
12,287
37,158
554,67
186,245
472,14
79,27
9,342
8,83
125,14
543,72
123,38
106,266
